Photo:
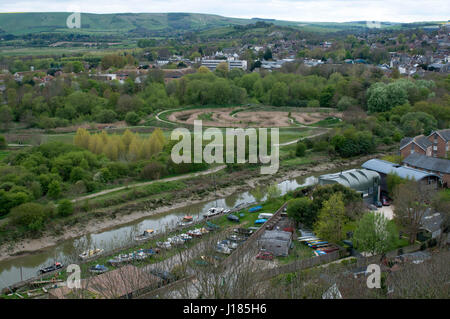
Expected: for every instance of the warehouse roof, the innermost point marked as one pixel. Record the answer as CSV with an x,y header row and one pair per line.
x,y
386,167
428,163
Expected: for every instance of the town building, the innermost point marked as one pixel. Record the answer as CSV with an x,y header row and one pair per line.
x,y
232,64
438,166
385,168
276,241
441,142
419,144
437,144
431,225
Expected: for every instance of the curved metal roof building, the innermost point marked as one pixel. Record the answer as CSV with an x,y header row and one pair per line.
x,y
362,180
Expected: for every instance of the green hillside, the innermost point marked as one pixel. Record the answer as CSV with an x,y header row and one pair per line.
x,y
150,23
23,23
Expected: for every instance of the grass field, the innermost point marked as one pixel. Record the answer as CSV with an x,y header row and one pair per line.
x,y
4,154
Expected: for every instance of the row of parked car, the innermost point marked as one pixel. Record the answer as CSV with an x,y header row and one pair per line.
x,y
232,241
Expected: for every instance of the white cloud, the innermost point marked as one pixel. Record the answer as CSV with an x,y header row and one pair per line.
x,y
294,10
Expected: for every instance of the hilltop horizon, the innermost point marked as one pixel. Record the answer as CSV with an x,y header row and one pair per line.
x,y
228,16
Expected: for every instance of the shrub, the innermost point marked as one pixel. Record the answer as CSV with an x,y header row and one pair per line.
x,y
65,208
132,118
153,170
345,102
313,103
54,189
30,215
301,149
3,143
106,116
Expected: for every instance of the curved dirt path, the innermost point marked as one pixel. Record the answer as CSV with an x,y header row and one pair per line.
x,y
302,138
169,179
164,121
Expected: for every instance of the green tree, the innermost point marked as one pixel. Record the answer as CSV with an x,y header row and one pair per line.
x,y
331,219
222,69
393,181
302,211
132,118
416,123
279,94
268,54
375,234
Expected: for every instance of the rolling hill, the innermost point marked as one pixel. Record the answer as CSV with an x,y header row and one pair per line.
x,y
39,22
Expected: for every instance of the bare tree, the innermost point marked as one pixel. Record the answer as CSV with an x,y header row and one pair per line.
x,y
412,201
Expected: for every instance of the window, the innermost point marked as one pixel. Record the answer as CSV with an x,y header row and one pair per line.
x,y
412,148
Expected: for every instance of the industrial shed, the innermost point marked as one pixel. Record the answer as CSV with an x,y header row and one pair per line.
x,y
364,181
384,168
276,241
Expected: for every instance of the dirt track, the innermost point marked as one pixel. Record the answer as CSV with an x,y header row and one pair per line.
x,y
223,117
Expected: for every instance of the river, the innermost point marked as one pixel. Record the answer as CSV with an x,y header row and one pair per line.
x,y
66,251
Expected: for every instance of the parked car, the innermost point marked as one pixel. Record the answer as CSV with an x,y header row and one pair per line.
x,y
378,204
385,201
265,255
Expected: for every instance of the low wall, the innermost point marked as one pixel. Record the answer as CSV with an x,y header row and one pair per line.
x,y
300,265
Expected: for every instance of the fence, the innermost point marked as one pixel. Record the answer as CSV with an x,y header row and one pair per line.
x,y
300,265
376,259
239,250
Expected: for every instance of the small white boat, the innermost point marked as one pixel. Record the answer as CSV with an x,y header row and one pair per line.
x,y
146,235
187,220
213,211
91,253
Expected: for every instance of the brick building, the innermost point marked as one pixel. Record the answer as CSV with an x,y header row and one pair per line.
x,y
438,166
440,143
437,144
419,144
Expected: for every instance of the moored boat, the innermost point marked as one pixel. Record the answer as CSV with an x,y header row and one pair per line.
x,y
213,211
91,253
146,235
55,266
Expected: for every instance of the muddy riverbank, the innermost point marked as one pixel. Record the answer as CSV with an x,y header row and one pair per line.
x,y
134,211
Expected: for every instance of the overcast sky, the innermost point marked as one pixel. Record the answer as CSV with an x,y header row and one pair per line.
x,y
294,10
